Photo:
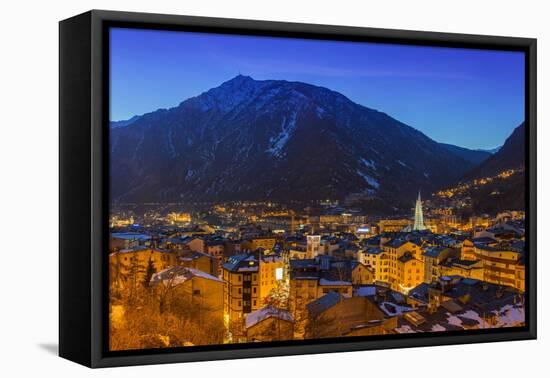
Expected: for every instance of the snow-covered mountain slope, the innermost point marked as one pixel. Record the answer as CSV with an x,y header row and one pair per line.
x,y
274,140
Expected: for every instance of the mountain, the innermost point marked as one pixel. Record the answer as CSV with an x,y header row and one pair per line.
x,y
510,155
274,140
124,123
473,156
502,192
492,151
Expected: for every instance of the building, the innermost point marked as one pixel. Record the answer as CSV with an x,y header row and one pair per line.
x,y
269,324
121,221
216,249
360,273
313,248
199,291
406,263
467,250
433,257
130,266
410,272
254,243
479,258
503,231
418,215
126,240
468,246
378,261
198,260
271,273
232,247
174,218
334,315
503,264
393,225
196,243
303,288
297,252
195,230
312,278
464,268
242,291
173,243
456,303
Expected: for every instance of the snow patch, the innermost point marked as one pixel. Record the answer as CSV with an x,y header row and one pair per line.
x,y
171,148
392,309
320,112
368,163
510,316
404,329
438,328
370,180
325,282
267,312
454,320
472,315
177,275
277,143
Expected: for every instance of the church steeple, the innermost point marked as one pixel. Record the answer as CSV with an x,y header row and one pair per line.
x,y
418,215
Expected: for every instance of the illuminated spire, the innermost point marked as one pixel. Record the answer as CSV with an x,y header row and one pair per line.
x,y
418,215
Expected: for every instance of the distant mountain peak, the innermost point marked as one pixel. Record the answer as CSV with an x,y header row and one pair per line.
x,y
238,82
492,151
281,140
240,78
229,94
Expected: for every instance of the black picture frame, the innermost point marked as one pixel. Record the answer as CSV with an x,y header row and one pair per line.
x,y
83,180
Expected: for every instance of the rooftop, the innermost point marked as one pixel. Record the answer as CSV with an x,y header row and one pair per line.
x,y
178,274
241,263
267,312
433,251
323,303
130,236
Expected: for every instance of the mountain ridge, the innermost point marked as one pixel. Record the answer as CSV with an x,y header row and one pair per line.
x,y
274,140
476,157
511,155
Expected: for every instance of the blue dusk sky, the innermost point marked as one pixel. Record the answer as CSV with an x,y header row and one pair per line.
x,y
470,98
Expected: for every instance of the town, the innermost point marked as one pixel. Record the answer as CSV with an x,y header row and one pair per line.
x,y
242,272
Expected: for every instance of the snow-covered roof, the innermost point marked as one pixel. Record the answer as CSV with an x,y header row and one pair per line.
x,y
392,309
266,312
134,249
178,274
365,291
325,282
443,320
438,328
130,236
374,251
404,329
241,263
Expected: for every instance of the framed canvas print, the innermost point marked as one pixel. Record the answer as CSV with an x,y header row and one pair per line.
x,y
233,188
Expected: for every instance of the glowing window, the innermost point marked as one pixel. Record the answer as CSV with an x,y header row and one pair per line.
x,y
279,274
